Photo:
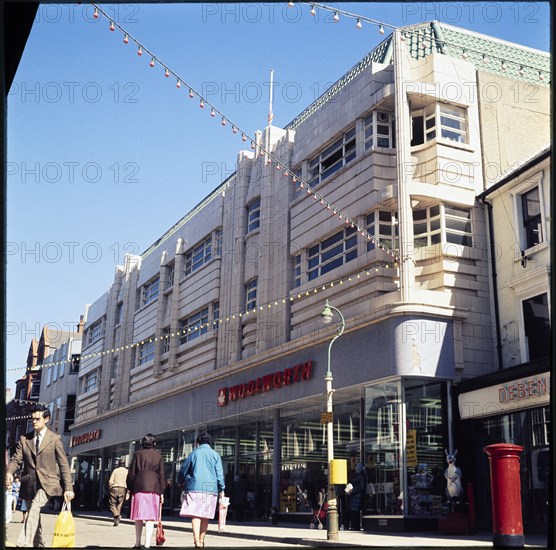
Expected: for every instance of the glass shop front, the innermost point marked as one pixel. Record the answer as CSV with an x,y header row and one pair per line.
x,y
402,480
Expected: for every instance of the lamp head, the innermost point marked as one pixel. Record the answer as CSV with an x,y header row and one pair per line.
x,y
326,314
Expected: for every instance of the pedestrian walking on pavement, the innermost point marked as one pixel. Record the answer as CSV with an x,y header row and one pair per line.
x,y
46,474
117,484
146,480
16,485
357,496
203,478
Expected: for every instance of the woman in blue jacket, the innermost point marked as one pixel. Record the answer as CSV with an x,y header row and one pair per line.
x,y
203,478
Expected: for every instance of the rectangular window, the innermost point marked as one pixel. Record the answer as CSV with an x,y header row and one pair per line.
x,y
536,326
198,256
532,223
119,313
334,251
439,120
453,124
383,225
254,215
35,389
115,366
427,226
332,158
379,130
457,221
165,340
540,426
150,291
70,412
297,271
146,352
49,375
251,294
218,242
215,314
90,382
194,326
95,332
170,275
74,367
55,371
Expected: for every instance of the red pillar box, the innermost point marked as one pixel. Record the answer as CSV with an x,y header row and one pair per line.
x,y
505,487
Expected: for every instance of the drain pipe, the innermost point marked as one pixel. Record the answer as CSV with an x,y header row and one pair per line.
x,y
494,282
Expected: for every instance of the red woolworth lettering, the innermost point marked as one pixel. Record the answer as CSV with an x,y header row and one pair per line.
x,y
233,393
277,379
258,386
250,387
241,391
306,370
296,373
288,372
267,382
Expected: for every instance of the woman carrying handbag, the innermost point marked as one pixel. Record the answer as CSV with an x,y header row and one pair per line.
x,y
160,538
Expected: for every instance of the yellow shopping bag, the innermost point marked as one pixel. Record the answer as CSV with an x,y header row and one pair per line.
x,y
64,530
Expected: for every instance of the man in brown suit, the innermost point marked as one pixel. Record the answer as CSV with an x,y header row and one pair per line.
x,y
45,471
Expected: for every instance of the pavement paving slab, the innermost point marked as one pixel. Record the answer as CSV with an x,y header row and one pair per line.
x,y
96,530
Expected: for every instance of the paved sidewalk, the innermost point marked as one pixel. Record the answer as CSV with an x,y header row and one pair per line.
x,y
95,530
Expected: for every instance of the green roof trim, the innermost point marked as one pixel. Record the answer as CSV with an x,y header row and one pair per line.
x,y
502,58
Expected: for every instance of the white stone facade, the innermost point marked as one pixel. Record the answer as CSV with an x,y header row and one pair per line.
x,y
176,317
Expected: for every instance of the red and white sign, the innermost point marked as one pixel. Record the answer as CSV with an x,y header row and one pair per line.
x,y
278,379
524,393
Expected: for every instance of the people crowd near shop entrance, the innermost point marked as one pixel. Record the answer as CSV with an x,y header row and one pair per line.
x,y
45,475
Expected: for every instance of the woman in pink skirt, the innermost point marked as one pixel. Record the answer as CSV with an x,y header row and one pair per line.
x,y
146,480
203,479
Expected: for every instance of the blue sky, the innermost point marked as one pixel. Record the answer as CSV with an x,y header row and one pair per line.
x,y
105,153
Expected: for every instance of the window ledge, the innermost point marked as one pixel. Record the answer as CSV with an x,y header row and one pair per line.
x,y
445,142
253,232
529,252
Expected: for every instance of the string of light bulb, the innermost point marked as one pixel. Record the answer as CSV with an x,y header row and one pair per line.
x,y
354,277
407,32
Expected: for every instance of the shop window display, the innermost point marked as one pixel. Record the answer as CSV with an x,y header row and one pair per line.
x,y
383,449
426,441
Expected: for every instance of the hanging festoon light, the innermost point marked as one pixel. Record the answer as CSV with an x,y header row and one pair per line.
x,y
465,55
541,76
243,137
313,11
253,144
95,13
112,26
521,71
503,66
290,4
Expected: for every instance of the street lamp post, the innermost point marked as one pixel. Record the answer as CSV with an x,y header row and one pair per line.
x,y
332,512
